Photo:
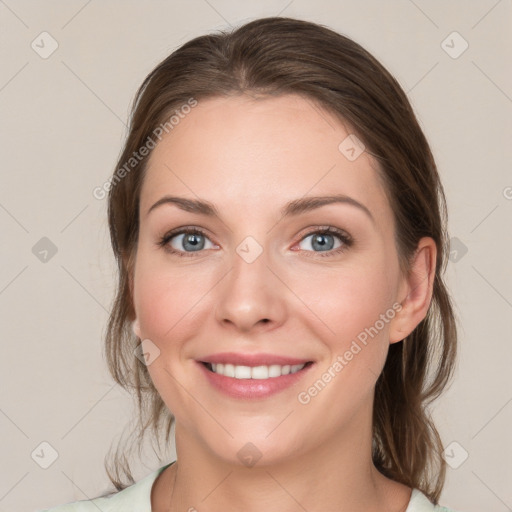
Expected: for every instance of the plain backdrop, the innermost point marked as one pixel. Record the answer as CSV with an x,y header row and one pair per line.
x,y
69,70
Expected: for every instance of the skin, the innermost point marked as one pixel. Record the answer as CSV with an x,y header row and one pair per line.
x,y
249,157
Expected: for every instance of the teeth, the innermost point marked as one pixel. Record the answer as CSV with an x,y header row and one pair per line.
x,y
255,372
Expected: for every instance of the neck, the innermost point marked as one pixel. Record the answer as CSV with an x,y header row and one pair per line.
x,y
336,475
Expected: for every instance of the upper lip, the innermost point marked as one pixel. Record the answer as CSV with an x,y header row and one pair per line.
x,y
261,359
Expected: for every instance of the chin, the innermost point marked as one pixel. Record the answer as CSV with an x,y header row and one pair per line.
x,y
256,449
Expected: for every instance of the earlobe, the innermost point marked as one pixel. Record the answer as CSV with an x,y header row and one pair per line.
x,y
419,287
136,328
135,323
397,332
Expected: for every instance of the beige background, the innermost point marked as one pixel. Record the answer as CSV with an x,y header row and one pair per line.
x,y
62,125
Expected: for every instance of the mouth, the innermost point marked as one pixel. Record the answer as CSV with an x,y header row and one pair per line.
x,y
254,380
254,372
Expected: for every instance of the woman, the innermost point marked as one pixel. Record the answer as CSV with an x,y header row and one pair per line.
x,y
280,230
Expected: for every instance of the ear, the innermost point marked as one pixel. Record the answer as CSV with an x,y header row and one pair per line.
x,y
415,291
128,267
136,328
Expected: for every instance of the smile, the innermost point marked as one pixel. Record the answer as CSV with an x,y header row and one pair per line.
x,y
252,382
254,372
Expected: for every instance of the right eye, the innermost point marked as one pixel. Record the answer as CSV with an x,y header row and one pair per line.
x,y
185,242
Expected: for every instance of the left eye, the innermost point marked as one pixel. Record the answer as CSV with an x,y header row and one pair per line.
x,y
321,241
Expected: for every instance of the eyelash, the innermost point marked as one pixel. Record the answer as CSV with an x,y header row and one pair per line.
x,y
345,238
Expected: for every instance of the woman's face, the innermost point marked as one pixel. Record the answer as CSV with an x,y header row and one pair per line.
x,y
263,277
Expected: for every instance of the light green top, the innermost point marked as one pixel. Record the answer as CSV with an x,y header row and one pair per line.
x,y
137,498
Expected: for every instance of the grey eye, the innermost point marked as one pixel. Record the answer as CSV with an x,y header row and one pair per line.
x,y
189,242
321,242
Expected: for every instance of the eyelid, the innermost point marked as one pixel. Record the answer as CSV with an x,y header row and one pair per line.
x,y
164,240
345,238
326,228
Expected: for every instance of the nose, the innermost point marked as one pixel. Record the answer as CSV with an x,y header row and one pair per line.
x,y
251,296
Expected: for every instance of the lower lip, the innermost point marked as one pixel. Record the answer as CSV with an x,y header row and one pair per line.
x,y
253,388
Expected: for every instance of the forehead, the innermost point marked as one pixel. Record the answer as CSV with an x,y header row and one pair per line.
x,y
251,156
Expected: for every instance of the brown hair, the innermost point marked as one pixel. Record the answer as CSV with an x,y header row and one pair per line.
x,y
274,56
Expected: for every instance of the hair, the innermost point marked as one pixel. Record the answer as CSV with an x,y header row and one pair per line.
x,y
277,56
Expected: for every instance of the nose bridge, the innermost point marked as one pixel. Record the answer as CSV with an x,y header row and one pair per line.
x,y
250,262
250,292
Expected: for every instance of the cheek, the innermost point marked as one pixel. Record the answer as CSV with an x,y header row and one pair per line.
x,y
346,301
166,301
151,297
165,298
348,306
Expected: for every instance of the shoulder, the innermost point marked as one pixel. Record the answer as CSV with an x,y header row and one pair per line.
x,y
420,503
114,502
135,498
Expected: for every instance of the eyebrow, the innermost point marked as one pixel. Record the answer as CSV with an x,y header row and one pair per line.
x,y
293,208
